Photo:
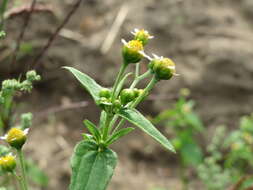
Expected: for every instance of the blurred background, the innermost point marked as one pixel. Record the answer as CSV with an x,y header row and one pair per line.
x,y
211,42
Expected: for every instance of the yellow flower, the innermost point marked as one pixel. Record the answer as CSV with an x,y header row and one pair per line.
x,y
16,137
132,51
8,163
163,68
142,35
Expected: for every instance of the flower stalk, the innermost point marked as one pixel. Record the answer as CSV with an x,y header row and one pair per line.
x,y
23,169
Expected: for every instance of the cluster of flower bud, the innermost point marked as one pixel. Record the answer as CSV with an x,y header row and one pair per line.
x,y
105,101
32,76
12,85
126,95
133,50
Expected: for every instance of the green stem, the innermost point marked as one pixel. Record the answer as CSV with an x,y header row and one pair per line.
x,y
107,126
15,176
139,78
145,93
119,77
23,169
137,70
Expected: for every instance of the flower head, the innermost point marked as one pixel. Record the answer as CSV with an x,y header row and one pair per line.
x,y
163,68
16,137
142,35
132,51
8,163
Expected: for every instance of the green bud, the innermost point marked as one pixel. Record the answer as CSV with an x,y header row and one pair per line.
x,y
127,95
10,84
26,120
8,163
117,104
26,85
105,92
32,76
131,51
137,92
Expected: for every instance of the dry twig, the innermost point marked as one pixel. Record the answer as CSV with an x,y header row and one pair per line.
x,y
22,33
54,35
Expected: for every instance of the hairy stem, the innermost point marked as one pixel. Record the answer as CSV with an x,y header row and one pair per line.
x,y
107,126
139,78
23,169
119,77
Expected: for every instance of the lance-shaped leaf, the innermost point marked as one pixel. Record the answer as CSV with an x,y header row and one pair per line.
x,y
92,129
136,118
90,84
118,134
92,168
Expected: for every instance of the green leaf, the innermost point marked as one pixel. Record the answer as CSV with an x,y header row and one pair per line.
x,y
90,84
92,129
92,168
102,119
136,118
36,174
118,134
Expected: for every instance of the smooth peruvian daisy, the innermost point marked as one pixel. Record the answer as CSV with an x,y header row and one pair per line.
x,y
142,35
163,68
8,163
16,137
132,51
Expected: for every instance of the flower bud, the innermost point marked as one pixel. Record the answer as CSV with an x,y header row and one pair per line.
x,y
10,84
16,137
131,51
8,163
32,76
137,92
117,104
142,35
127,95
105,92
163,68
